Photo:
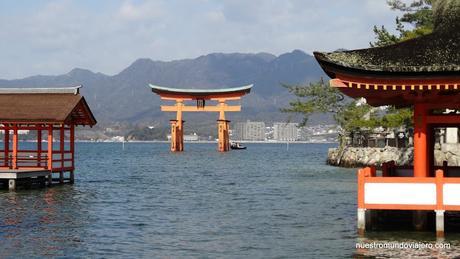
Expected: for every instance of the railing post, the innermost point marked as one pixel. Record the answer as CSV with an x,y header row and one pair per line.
x,y
385,169
15,147
439,203
361,210
39,147
50,147
61,145
372,171
7,147
72,144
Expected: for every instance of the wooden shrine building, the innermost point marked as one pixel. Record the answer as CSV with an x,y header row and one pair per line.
x,y
423,73
49,115
201,96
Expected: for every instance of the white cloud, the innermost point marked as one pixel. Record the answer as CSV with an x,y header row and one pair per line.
x,y
143,11
61,35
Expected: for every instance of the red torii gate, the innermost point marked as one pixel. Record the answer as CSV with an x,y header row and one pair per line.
x,y
200,96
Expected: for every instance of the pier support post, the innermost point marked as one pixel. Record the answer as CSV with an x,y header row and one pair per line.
x,y
61,177
50,179
419,220
361,221
71,177
439,223
11,184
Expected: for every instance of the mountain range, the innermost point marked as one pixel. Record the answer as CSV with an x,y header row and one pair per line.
x,y
126,98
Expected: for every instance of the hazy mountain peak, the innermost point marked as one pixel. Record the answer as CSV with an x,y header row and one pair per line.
x,y
296,54
125,97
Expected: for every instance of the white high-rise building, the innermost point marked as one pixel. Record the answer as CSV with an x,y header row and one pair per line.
x,y
285,131
250,130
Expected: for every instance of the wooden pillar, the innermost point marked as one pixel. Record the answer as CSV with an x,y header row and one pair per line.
x,y
39,147
439,203
15,147
179,126
12,184
6,150
72,146
222,127
227,135
61,149
174,136
420,141
224,141
71,177
361,213
50,148
177,130
61,144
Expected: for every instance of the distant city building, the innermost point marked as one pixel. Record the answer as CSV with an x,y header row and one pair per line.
x,y
191,137
250,130
285,131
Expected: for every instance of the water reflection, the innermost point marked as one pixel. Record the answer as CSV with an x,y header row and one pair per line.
x,y
144,201
40,222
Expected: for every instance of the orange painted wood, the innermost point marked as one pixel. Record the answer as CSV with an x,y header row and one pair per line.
x,y
227,108
452,207
15,147
361,176
451,180
399,207
72,144
50,147
400,180
6,146
223,134
61,145
420,141
39,147
365,176
439,190
186,97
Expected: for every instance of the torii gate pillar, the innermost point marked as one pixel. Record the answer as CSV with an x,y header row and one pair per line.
x,y
177,136
223,127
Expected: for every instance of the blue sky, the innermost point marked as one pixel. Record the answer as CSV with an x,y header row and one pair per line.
x,y
53,37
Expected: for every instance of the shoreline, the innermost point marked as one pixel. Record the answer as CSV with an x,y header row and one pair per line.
x,y
209,142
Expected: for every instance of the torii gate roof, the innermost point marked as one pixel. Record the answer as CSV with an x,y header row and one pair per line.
x,y
200,93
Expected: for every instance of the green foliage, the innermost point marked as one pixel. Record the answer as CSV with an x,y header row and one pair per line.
x,y
314,98
144,133
384,37
418,16
350,114
318,97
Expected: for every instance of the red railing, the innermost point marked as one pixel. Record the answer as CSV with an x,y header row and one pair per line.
x,y
61,160
430,193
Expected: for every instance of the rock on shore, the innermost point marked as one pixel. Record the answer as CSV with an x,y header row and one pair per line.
x,y
366,156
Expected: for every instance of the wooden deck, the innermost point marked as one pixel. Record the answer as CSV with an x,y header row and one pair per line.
x,y
29,176
23,173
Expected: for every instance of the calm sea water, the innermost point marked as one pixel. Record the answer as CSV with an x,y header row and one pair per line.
x,y
144,201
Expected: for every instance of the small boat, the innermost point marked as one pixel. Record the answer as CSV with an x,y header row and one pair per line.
x,y
236,146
